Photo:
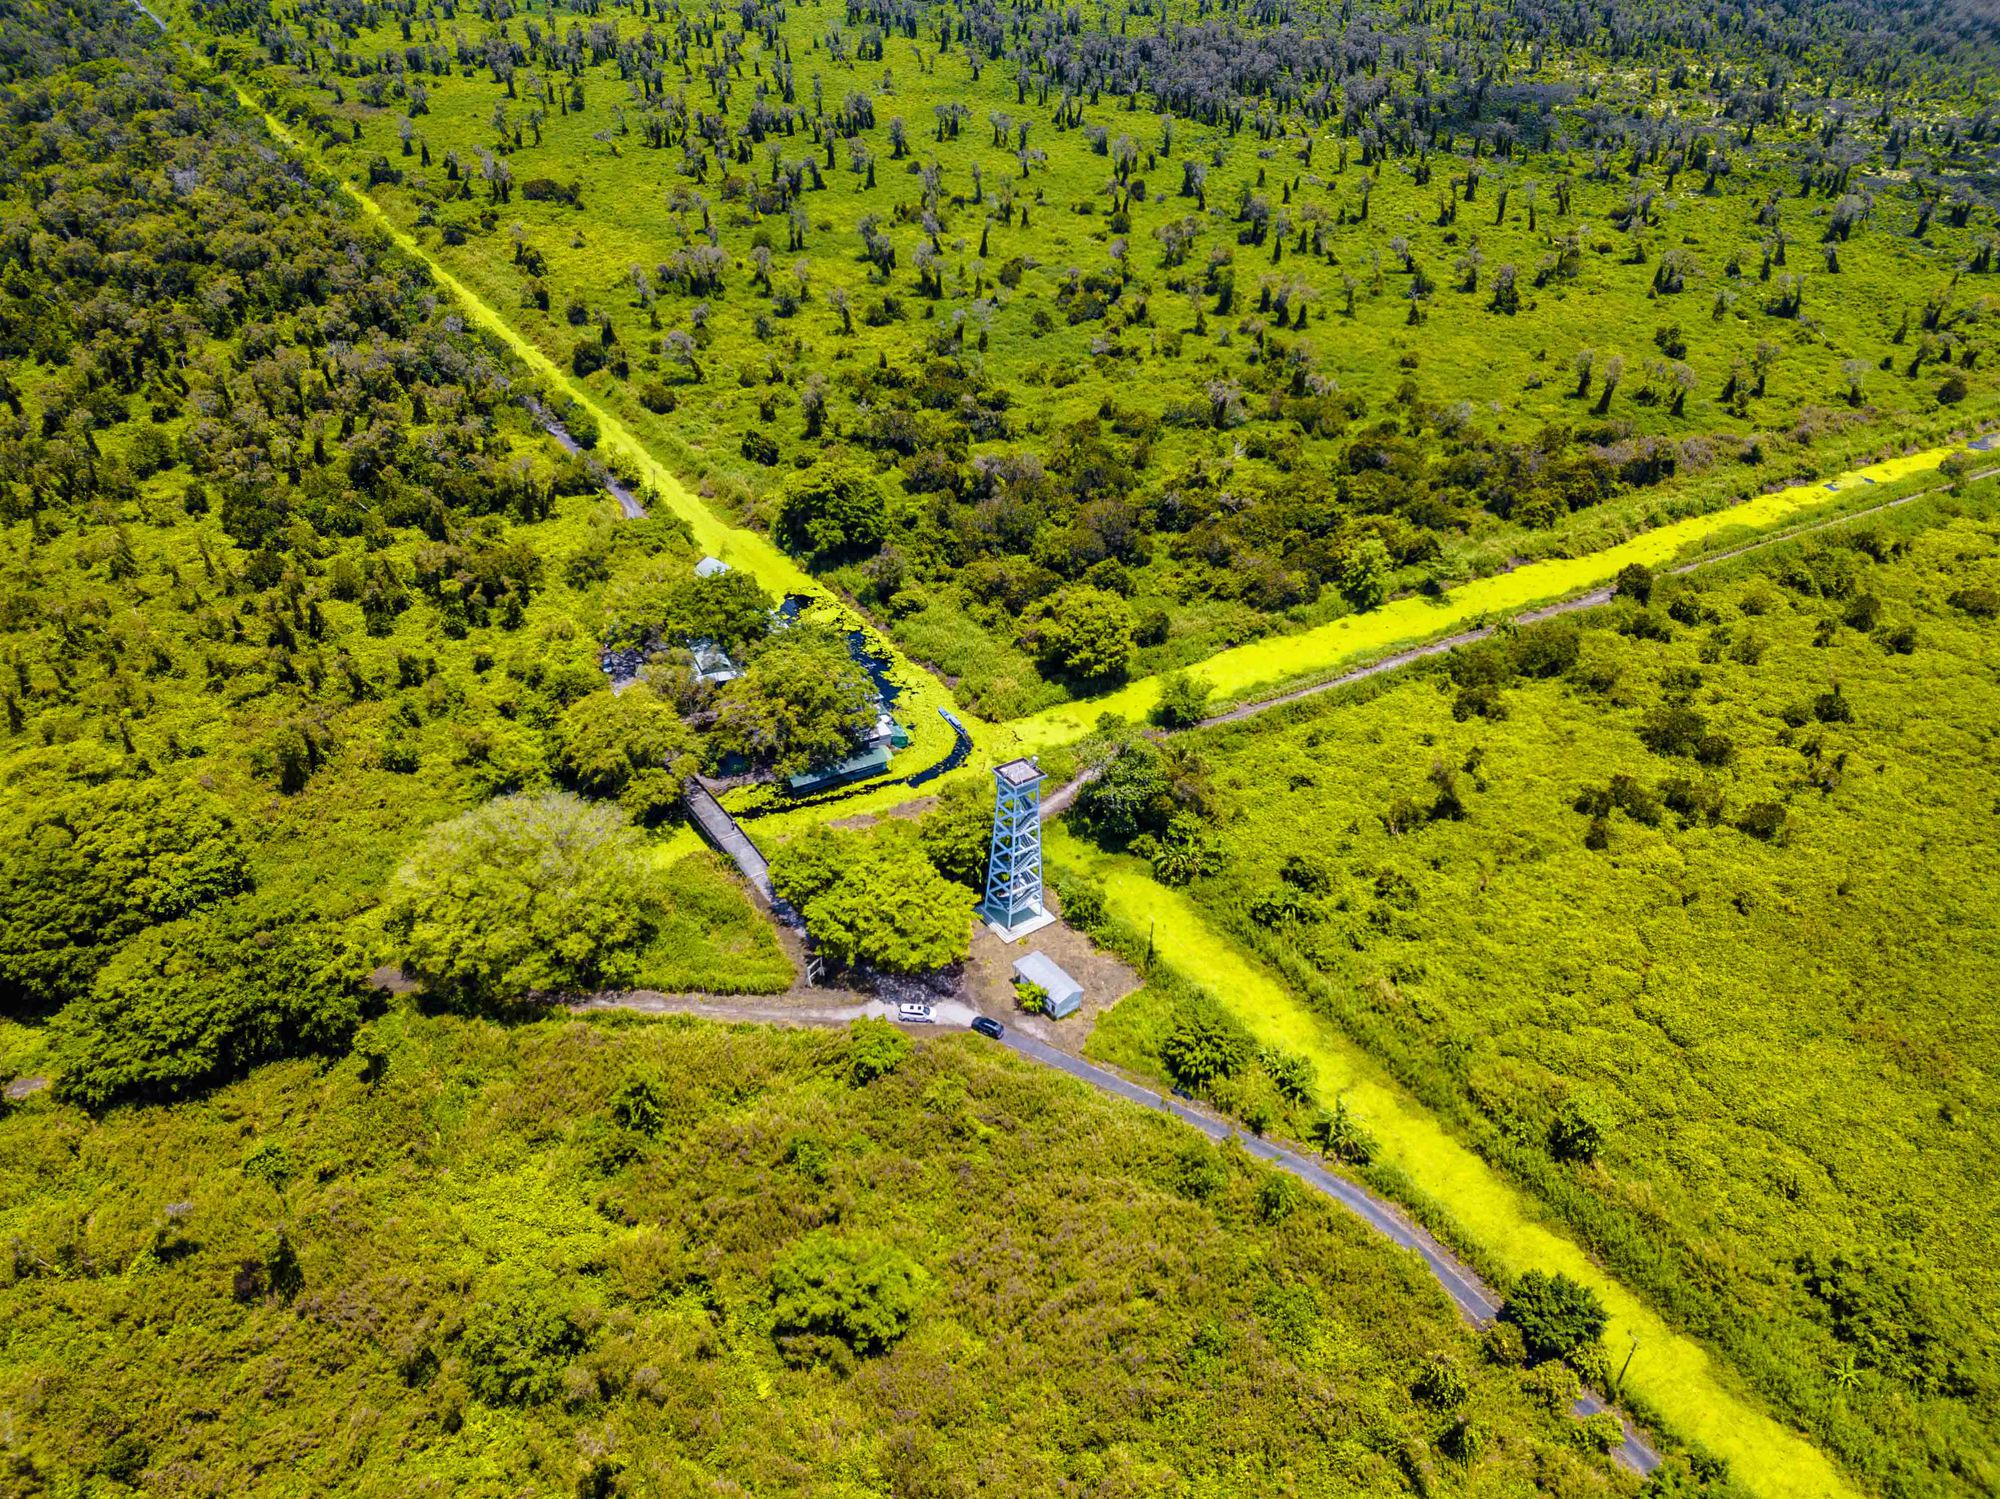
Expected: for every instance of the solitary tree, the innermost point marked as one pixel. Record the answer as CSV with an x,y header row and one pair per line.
x,y
1081,632
525,895
832,510
1558,1317
835,1295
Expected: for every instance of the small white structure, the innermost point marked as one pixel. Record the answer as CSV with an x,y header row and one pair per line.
x,y
712,664
710,567
1038,968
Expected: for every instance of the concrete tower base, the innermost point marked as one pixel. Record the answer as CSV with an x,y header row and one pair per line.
x,y
1027,926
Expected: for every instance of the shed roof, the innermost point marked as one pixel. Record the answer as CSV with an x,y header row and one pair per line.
x,y
867,763
1039,968
708,567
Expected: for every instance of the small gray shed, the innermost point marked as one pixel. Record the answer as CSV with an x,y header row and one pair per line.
x,y
1065,993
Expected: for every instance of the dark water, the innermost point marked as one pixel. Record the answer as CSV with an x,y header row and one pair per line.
x,y
875,665
955,757
959,750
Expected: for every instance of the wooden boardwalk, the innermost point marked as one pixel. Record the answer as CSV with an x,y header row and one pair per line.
x,y
722,830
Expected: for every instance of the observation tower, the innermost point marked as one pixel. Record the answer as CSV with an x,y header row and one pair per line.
x,y
1013,905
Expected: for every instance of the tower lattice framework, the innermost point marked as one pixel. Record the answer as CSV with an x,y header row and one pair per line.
x,y
1014,862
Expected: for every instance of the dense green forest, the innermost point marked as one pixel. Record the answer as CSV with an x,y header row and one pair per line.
x,y
1681,910
1072,348
292,572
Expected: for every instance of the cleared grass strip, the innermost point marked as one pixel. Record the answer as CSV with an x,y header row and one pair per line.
x,y
1263,665
1674,1373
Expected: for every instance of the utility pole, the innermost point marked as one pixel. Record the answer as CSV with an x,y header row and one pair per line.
x,y
1618,1391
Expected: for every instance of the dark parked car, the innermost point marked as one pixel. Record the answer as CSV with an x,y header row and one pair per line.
x,y
986,1026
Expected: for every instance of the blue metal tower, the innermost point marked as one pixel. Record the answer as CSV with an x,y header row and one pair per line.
x,y
1013,903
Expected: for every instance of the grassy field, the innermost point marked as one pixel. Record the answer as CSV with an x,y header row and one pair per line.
x,y
1777,1034
307,1270
1031,286
1677,1379
713,939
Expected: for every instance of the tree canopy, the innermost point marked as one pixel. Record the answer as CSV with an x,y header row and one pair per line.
x,y
874,899
192,1002
1140,790
957,834
1082,632
856,1291
1557,1316
663,598
80,874
523,896
630,746
833,509
802,702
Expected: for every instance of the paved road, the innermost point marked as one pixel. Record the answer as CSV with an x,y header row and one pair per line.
x,y
951,1014
1590,600
1474,1299
1059,800
627,501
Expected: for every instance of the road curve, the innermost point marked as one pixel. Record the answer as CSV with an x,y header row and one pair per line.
x,y
1474,1299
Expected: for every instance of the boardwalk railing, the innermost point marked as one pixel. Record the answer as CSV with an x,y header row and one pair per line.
x,y
729,839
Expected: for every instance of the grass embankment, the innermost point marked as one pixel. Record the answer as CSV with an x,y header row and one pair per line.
x,y
711,940
1672,1373
1268,666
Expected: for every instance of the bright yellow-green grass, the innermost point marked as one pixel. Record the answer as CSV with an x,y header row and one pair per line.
x,y
1672,1372
1264,665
